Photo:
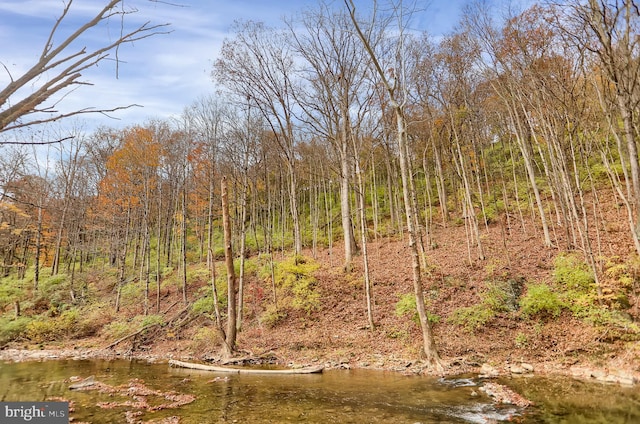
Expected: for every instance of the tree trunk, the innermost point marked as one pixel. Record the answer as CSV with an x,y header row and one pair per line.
x,y
345,210
183,231
363,233
36,272
429,347
243,242
123,260
229,344
293,203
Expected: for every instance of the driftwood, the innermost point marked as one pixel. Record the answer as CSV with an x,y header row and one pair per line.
x,y
305,370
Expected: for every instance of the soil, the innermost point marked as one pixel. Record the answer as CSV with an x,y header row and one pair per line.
x,y
337,335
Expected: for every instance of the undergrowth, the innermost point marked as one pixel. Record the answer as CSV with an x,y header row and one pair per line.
x,y
295,288
496,299
575,290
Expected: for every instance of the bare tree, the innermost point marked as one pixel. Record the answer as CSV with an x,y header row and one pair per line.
x,y
607,31
335,78
395,87
229,345
33,98
258,65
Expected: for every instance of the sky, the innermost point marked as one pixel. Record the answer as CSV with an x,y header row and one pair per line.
x,y
163,73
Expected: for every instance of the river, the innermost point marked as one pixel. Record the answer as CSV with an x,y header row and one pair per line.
x,y
133,390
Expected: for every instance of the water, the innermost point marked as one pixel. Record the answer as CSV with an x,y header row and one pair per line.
x,y
356,396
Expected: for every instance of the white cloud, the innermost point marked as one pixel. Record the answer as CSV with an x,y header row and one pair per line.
x,y
164,73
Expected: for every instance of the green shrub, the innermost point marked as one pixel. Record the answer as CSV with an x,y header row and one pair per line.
x,y
272,316
9,293
407,306
197,274
204,339
573,273
43,329
619,326
579,294
204,305
578,290
54,291
294,277
131,293
397,334
472,318
149,320
492,210
496,299
540,300
117,329
13,328
521,340
618,280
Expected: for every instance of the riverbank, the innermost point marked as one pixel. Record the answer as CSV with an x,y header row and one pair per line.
x,y
455,366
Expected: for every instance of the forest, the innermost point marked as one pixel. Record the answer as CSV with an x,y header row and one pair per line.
x,y
330,137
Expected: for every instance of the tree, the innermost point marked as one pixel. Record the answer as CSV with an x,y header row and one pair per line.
x,y
394,85
335,79
456,88
126,196
33,97
229,344
257,65
509,54
608,32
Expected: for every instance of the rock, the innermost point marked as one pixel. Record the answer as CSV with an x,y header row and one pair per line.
x,y
502,394
610,378
599,375
626,381
624,377
614,376
87,382
527,367
579,372
516,369
487,371
523,368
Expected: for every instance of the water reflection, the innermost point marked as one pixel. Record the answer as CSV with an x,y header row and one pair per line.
x,y
356,396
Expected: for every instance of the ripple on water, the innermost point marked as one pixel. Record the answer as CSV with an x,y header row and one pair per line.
x,y
458,382
482,413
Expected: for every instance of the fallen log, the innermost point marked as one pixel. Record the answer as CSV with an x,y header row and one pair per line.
x,y
306,370
148,327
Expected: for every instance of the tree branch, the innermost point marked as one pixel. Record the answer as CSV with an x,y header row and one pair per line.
x,y
51,62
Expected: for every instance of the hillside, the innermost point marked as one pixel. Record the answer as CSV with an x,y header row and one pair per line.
x,y
336,332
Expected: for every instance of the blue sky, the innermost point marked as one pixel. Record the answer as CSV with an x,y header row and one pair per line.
x,y
164,73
